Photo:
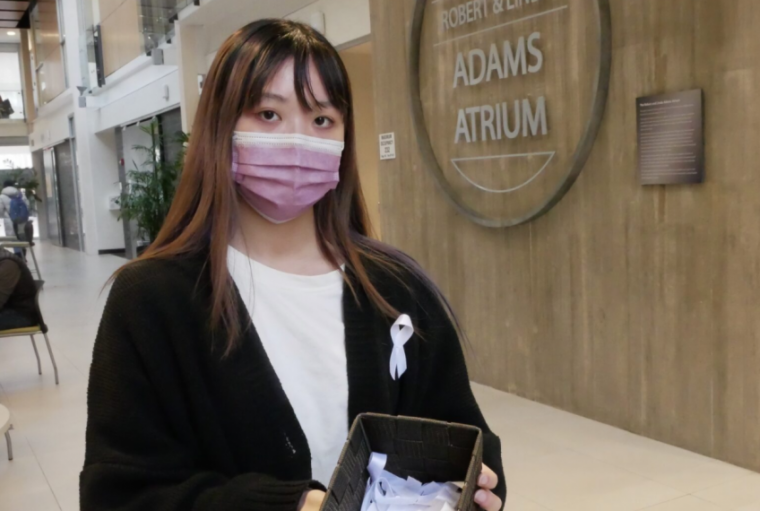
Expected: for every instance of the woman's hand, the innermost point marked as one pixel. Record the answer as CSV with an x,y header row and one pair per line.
x,y
484,497
312,500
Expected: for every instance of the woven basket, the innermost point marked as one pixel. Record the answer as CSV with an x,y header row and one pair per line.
x,y
424,449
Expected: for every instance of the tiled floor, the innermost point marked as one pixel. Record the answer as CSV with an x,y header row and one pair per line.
x,y
555,461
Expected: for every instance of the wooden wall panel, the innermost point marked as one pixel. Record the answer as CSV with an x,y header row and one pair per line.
x,y
358,61
27,74
107,7
47,35
631,305
54,75
122,40
51,79
109,30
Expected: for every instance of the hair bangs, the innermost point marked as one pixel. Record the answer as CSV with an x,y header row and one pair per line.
x,y
335,79
267,61
304,50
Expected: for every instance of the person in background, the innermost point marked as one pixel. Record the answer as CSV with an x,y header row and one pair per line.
x,y
5,108
17,293
234,353
14,208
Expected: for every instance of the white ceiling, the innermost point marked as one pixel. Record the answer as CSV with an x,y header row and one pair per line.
x,y
11,12
5,38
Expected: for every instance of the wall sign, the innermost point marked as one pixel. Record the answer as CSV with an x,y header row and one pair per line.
x,y
507,97
671,138
387,146
114,202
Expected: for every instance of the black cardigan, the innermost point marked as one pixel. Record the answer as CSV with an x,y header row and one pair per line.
x,y
22,295
173,425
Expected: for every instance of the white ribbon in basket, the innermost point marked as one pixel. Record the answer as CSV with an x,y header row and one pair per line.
x,y
388,492
401,331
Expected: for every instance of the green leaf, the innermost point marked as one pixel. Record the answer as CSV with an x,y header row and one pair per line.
x,y
152,183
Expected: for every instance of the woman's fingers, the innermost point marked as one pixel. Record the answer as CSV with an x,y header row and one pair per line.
x,y
488,478
311,500
487,481
487,500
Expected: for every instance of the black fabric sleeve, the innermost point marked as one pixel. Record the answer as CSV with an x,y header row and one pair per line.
x,y
445,392
9,276
134,460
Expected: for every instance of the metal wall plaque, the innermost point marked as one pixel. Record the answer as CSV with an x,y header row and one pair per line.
x,y
671,138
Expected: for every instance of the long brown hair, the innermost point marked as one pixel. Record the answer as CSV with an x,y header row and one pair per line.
x,y
203,215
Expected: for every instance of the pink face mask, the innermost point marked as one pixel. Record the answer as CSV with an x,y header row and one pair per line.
x,y
283,175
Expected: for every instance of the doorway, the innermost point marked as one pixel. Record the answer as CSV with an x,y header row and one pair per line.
x,y
131,159
51,197
71,236
358,61
61,191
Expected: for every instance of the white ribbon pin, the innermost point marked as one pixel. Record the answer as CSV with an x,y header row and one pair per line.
x,y
401,331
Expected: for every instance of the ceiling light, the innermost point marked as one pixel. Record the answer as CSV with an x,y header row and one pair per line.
x,y
11,32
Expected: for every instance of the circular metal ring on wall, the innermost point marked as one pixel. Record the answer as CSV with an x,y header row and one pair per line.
x,y
582,151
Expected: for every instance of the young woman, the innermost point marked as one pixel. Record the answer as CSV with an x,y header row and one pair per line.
x,y
233,355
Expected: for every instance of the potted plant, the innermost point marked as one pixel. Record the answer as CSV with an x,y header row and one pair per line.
x,y
152,184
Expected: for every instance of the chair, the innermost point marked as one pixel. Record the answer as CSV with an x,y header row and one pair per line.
x,y
13,242
31,331
5,427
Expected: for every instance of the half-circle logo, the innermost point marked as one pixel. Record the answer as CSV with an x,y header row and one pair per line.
x,y
517,180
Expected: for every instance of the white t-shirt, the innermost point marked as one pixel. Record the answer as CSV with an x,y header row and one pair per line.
x,y
300,322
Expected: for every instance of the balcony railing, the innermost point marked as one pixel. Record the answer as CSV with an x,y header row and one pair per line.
x,y
12,104
153,26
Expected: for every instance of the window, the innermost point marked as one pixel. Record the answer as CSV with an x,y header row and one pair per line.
x,y
49,53
62,42
11,95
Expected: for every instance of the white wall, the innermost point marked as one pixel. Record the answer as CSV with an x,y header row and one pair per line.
x,y
13,129
144,96
88,169
52,123
110,230
345,20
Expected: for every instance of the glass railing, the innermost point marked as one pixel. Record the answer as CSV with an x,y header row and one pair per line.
x,y
88,66
12,104
156,22
11,91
